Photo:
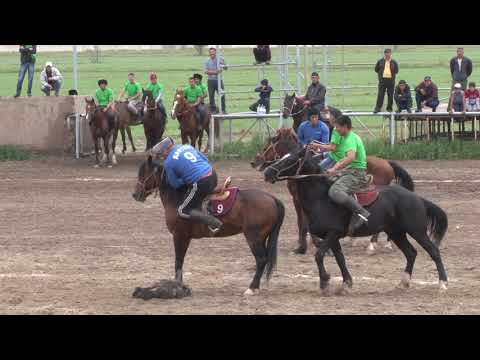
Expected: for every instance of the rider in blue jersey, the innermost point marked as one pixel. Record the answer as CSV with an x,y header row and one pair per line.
x,y
185,166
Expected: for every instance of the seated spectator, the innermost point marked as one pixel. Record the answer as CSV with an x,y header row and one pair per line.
x,y
314,129
426,93
457,99
264,91
403,97
472,98
262,54
50,79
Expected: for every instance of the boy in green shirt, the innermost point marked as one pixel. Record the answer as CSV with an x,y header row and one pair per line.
x,y
157,90
201,107
134,94
349,173
104,99
194,94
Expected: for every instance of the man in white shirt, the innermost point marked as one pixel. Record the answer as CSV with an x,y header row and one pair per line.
x,y
50,79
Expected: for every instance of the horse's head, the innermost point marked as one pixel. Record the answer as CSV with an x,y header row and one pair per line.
x,y
148,179
90,107
283,142
297,162
148,99
179,103
288,104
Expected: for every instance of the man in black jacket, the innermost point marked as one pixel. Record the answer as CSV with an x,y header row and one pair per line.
x,y
403,96
386,69
315,97
27,63
461,68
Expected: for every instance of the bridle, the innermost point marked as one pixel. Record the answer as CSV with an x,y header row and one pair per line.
x,y
273,146
297,174
145,192
293,105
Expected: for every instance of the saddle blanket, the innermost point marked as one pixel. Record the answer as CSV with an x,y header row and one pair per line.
x,y
220,205
367,196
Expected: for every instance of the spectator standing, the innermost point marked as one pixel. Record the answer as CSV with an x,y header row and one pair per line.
x,y
461,68
403,97
386,69
426,93
50,79
315,97
457,99
28,55
212,70
264,91
262,54
472,98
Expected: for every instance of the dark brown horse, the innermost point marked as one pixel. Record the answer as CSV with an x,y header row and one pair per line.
x,y
189,127
294,106
256,214
125,119
100,129
286,141
153,121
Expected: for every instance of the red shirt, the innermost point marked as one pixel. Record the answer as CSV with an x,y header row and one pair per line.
x,y
472,94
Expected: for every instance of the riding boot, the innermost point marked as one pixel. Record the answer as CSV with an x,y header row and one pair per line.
x,y
213,223
359,217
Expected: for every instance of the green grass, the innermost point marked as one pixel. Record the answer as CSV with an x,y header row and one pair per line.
x,y
12,153
175,66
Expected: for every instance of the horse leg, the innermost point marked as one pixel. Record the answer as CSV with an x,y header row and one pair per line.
x,y
372,247
207,130
410,253
114,142
301,222
181,244
259,251
97,160
200,139
434,252
122,132
129,133
340,259
106,145
322,247
146,131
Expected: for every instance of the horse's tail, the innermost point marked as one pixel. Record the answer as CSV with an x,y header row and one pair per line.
x,y
438,221
402,177
272,243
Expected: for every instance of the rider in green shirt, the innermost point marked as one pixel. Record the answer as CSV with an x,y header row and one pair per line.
x,y
349,172
194,94
157,90
201,107
104,99
134,94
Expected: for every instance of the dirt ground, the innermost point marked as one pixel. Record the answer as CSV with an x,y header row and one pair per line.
x,y
73,241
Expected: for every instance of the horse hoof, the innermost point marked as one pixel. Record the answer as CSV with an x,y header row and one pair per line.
x,y
300,251
443,286
388,246
251,292
371,249
109,166
114,160
405,282
96,166
326,290
134,150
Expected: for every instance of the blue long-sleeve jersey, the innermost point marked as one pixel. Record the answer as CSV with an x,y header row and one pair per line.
x,y
307,133
185,165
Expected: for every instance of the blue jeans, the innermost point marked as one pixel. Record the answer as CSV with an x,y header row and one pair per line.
x,y
56,87
431,103
327,163
30,67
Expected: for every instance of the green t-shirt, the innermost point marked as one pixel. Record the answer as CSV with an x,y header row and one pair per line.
x,y
104,97
156,89
192,93
351,142
132,89
204,88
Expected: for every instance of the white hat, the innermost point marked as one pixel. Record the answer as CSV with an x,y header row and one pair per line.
x,y
48,63
457,86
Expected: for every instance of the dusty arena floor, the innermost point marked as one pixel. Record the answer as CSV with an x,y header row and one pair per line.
x,y
73,241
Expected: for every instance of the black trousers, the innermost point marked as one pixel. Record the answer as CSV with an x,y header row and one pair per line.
x,y
263,102
212,87
196,193
387,85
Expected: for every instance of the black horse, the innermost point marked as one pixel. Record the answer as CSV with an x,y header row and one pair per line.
x,y
397,212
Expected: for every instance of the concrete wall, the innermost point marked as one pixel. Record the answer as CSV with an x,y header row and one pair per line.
x,y
37,122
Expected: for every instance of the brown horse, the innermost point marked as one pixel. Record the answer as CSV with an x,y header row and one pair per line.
x,y
100,129
153,121
125,119
189,127
256,214
286,141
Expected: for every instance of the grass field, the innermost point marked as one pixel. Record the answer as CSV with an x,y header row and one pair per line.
x,y
175,66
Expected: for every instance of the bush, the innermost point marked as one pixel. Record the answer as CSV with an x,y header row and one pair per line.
x,y
12,153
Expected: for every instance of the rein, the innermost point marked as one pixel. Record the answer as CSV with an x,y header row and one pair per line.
x,y
291,109
156,189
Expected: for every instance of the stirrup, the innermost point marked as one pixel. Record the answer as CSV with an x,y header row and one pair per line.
x,y
214,230
365,219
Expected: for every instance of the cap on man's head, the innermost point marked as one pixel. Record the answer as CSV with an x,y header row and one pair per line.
x,y
314,73
427,78
162,146
457,86
48,63
387,51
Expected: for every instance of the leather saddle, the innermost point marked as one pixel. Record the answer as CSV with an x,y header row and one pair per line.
x,y
368,195
222,200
